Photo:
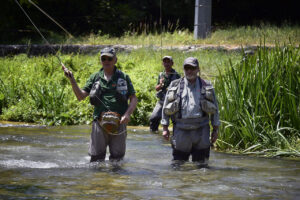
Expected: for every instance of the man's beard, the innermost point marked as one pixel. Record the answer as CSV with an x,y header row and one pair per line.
x,y
190,77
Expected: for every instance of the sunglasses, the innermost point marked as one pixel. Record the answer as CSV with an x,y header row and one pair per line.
x,y
103,59
188,67
167,60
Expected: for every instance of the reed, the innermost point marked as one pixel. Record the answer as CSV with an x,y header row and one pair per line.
x,y
259,101
231,35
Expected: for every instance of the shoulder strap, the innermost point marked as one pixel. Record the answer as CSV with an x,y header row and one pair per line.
x,y
120,74
181,87
97,77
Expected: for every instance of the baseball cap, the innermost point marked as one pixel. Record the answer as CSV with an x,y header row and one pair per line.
x,y
168,57
191,61
108,51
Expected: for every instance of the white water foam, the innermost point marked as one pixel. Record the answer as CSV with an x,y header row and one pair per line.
x,y
27,164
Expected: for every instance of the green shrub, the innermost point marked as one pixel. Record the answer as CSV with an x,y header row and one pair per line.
x,y
259,101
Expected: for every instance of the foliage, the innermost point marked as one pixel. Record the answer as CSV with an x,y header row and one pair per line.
x,y
260,102
35,90
231,35
116,17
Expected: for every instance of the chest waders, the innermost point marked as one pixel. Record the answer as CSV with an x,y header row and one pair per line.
x,y
198,155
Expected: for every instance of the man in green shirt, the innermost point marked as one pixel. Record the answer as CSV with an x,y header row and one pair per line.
x,y
164,80
115,89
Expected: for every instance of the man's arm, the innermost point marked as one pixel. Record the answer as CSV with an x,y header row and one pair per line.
x,y
79,93
132,105
165,122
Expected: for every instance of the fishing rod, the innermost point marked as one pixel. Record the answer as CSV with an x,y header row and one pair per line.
x,y
64,67
70,35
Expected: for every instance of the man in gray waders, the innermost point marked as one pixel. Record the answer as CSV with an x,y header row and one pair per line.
x,y
109,90
192,102
164,80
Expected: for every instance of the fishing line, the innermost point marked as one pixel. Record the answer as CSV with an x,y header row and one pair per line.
x,y
51,18
160,21
51,46
39,32
47,41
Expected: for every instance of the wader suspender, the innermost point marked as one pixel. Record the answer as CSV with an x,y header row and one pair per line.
x,y
181,87
118,74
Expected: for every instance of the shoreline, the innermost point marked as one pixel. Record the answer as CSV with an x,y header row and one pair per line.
x,y
39,50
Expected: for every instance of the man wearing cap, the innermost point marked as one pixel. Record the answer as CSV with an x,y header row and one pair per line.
x,y
115,89
164,80
192,102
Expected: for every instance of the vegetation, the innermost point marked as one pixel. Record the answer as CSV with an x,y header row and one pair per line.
x,y
232,36
243,35
116,17
260,103
34,89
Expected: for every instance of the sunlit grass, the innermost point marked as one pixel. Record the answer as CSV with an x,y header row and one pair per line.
x,y
243,35
34,89
260,103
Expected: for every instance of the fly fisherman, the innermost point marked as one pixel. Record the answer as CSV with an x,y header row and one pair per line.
x,y
164,80
109,90
192,101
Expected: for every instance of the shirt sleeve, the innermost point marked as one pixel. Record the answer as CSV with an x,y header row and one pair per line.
x,y
131,90
215,118
89,84
165,119
158,79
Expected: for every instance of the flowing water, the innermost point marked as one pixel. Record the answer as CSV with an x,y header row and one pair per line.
x,y
52,163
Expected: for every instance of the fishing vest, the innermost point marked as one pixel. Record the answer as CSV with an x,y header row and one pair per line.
x,y
174,98
121,90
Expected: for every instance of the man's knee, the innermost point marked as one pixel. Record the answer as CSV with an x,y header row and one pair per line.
x,y
116,157
180,155
98,158
200,155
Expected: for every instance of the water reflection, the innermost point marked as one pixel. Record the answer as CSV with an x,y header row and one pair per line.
x,y
40,163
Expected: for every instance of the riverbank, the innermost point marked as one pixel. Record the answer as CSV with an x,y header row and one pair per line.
x,y
41,50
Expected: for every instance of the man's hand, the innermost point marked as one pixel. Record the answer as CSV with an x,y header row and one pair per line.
x,y
166,132
125,119
214,136
67,72
161,82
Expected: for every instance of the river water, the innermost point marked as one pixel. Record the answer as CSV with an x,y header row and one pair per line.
x,y
52,163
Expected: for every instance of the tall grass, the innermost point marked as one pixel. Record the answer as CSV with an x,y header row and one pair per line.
x,y
173,36
34,89
259,101
242,35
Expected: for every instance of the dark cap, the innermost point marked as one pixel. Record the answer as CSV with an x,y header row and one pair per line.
x,y
108,51
168,57
191,61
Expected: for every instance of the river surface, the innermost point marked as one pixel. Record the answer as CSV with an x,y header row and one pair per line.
x,y
52,163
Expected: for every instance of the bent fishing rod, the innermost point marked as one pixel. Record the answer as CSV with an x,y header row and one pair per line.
x,y
45,40
64,67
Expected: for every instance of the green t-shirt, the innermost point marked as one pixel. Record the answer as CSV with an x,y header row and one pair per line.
x,y
109,91
167,78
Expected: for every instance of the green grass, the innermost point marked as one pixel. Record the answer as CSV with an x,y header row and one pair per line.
x,y
260,103
258,97
34,89
242,35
